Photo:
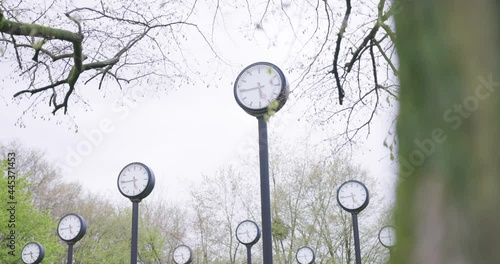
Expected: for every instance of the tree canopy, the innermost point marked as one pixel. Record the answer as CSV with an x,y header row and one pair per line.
x,y
339,54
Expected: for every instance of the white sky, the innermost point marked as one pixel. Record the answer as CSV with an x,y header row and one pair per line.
x,y
181,135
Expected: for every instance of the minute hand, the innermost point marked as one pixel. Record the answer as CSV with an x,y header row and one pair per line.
x,y
250,89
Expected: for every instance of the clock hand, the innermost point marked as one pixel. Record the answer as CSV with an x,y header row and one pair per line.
x,y
261,94
353,200
250,89
127,181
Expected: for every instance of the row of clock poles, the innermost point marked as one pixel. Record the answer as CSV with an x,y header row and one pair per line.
x,y
135,181
353,197
261,89
72,227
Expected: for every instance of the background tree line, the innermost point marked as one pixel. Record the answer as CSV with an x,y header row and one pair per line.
x,y
305,212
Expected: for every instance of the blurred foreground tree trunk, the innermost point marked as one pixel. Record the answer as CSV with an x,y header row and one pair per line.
x,y
448,200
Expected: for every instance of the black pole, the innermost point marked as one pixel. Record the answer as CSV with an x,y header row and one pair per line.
x,y
70,253
357,247
135,224
265,196
249,254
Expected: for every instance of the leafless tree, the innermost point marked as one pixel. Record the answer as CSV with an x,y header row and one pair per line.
x,y
60,47
341,54
343,57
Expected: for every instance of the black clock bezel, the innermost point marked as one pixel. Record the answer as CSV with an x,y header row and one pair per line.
x,y
149,187
282,97
190,254
256,239
81,233
363,206
380,240
40,256
305,247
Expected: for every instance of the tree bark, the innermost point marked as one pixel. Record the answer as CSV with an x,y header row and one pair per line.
x,y
448,198
35,30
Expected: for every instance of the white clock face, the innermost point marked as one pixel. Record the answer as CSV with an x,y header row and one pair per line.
x,y
258,86
305,255
69,227
182,255
352,195
133,179
247,232
387,236
30,253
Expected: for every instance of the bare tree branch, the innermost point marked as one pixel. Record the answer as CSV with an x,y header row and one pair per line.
x,y
337,50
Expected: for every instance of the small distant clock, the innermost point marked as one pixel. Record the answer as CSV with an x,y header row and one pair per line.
x,y
305,255
72,228
353,196
183,255
136,181
32,253
260,85
387,236
247,232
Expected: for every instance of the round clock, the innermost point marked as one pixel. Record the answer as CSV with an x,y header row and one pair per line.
x,y
136,181
71,228
260,85
387,236
183,255
32,253
305,255
353,196
247,232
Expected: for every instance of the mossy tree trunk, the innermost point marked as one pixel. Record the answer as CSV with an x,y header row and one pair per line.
x,y
448,198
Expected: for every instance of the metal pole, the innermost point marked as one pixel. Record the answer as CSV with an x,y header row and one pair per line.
x,y
70,253
249,254
357,247
265,196
135,224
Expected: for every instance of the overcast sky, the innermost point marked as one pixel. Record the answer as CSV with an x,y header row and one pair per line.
x,y
181,135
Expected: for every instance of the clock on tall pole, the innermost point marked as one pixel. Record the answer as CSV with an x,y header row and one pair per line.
x,y
135,181
353,197
248,233
71,229
32,253
387,237
261,89
305,255
183,255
